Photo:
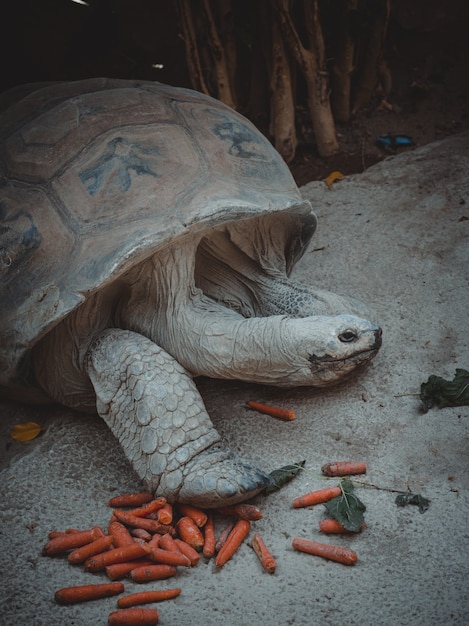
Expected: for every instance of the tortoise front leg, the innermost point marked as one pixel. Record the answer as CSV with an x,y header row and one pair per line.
x,y
151,404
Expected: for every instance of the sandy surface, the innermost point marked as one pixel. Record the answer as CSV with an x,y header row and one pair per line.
x,y
394,236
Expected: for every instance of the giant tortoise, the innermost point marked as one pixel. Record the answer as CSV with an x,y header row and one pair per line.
x,y
147,237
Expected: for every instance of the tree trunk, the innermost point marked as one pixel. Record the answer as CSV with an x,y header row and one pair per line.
x,y
192,50
312,62
344,63
371,62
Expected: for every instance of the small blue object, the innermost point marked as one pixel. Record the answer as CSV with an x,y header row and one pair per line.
x,y
390,142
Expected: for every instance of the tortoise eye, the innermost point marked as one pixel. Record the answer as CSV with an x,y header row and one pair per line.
x,y
348,336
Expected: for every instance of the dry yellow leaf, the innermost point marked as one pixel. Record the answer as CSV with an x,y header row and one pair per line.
x,y
25,431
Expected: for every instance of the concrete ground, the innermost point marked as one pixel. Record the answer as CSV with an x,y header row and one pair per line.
x,y
395,236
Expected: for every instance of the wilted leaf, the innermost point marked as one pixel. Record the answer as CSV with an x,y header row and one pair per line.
x,y
25,431
443,392
283,475
347,509
416,499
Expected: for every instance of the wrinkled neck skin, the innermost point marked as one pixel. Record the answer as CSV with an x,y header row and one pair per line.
x,y
210,339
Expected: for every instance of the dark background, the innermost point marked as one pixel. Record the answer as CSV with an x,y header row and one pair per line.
x,y
426,49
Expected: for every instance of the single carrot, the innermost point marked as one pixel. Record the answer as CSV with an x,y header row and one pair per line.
x,y
99,562
209,537
133,617
147,573
119,533
80,555
130,499
317,497
165,514
326,551
243,510
155,540
266,558
150,507
166,542
344,468
223,536
141,533
235,539
55,533
68,541
121,570
332,526
188,551
190,533
145,597
273,411
83,593
151,525
196,514
167,557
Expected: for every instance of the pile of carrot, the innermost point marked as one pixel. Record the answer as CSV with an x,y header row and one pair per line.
x,y
148,539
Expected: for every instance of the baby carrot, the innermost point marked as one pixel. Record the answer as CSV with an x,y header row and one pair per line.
x,y
190,532
223,536
244,511
150,507
121,570
68,541
151,525
166,542
146,573
265,556
326,551
209,538
235,539
116,555
141,533
130,499
196,514
133,617
119,533
165,513
168,557
317,497
188,551
79,555
273,411
83,593
332,526
344,468
145,597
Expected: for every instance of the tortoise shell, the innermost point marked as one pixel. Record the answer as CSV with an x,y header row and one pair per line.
x,y
97,175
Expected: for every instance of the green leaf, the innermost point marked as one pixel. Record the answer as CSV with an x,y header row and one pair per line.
x,y
443,392
347,508
283,475
416,499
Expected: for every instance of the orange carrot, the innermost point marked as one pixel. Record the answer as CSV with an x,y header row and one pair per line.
x,y
265,556
165,514
223,536
168,557
150,507
121,570
326,551
68,541
116,555
273,411
190,532
244,511
344,468
79,555
145,597
119,533
151,525
133,617
196,514
332,526
141,533
188,551
317,497
209,537
166,542
130,499
83,593
55,533
235,539
146,573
